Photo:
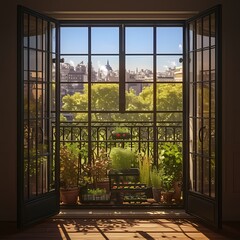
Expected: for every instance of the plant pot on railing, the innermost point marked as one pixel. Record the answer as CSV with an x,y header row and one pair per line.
x,y
121,133
117,135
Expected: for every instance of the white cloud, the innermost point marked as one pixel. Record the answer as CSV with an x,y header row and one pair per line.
x,y
180,46
71,62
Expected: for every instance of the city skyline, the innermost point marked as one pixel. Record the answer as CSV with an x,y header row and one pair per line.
x,y
139,40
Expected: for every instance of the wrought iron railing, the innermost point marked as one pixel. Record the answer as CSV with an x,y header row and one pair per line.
x,y
98,135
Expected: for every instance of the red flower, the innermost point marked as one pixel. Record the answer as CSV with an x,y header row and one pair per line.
x,y
118,134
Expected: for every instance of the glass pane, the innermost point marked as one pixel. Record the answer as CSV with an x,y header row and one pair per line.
x,y
169,97
206,65
74,69
32,100
169,68
45,35
191,36
44,73
199,67
52,90
40,89
205,137
199,33
213,171
123,117
213,99
139,96
191,60
191,172
105,40
74,40
53,38
213,137
169,40
25,59
199,174
26,179
26,101
206,32
105,97
32,61
32,177
199,135
32,32
25,31
105,69
139,40
213,30
191,100
213,66
40,34
74,97
169,131
39,66
206,176
42,175
206,100
191,136
170,118
51,182
139,68
53,70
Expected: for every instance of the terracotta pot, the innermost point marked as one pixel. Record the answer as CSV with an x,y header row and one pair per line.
x,y
69,196
167,197
177,190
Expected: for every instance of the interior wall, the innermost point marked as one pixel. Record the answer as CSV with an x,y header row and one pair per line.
x,y
231,86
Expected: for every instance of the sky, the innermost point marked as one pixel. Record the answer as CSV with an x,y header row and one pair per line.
x,y
138,40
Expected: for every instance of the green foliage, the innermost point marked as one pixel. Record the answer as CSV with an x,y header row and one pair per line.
x,y
69,165
97,191
145,168
156,178
120,130
171,164
122,158
106,97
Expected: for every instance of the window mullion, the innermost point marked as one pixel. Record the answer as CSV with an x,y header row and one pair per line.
x,y
122,100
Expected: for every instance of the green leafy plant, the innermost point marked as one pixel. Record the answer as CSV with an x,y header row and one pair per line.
x,y
171,164
171,161
97,191
156,178
68,166
122,158
145,168
97,170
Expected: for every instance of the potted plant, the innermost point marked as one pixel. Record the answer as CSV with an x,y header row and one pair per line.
x,y
69,174
171,163
156,180
121,133
95,195
167,193
145,164
122,159
99,169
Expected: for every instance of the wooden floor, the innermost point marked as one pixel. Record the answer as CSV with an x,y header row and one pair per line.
x,y
84,229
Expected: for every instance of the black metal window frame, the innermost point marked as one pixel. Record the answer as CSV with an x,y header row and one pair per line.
x,y
122,57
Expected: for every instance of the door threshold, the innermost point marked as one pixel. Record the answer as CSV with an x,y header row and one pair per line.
x,y
122,213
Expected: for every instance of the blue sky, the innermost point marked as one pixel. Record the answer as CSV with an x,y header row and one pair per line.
x,y
139,40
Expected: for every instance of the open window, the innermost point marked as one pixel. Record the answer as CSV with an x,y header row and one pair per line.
x,y
40,93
